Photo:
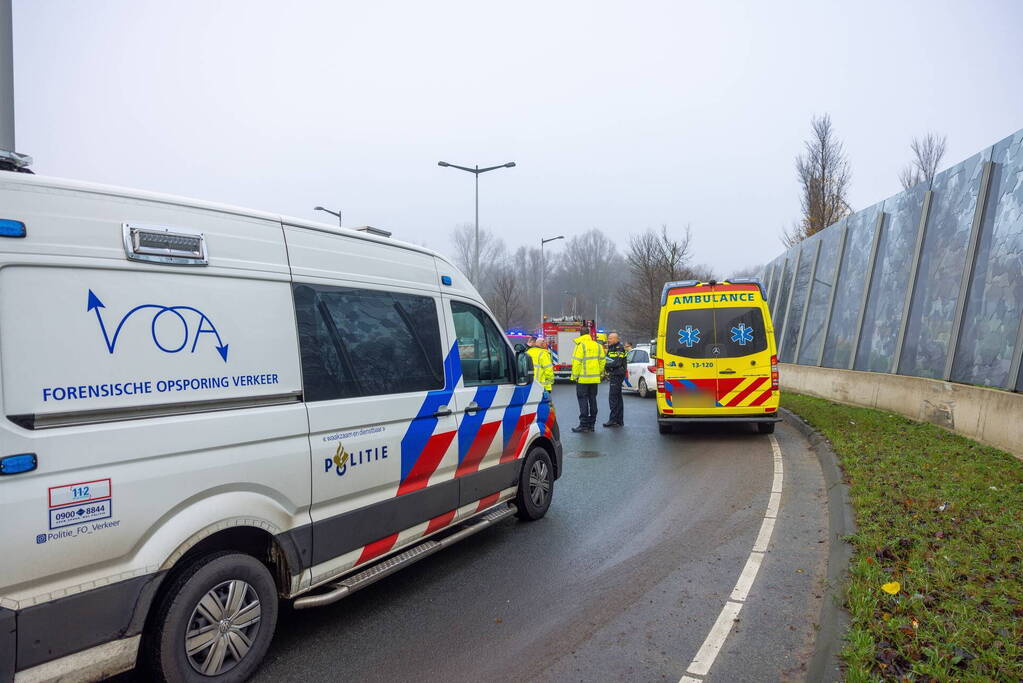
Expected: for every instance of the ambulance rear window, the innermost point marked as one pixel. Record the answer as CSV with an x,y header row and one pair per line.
x,y
690,332
740,331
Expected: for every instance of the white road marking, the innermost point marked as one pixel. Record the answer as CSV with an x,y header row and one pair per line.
x,y
708,652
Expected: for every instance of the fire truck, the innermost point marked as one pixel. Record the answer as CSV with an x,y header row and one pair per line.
x,y
561,333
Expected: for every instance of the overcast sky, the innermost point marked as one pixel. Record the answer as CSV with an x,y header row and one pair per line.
x,y
620,116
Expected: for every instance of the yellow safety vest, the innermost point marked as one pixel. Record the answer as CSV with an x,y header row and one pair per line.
x,y
587,360
543,366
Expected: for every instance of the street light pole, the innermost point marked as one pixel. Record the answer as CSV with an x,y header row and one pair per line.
x,y
543,273
332,213
476,170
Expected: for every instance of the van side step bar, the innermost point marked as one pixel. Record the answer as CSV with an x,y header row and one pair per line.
x,y
344,588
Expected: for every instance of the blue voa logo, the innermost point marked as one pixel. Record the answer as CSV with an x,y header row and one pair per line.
x,y
343,460
172,328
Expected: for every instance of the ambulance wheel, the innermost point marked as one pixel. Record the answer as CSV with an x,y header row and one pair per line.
x,y
664,428
765,427
536,485
642,389
215,622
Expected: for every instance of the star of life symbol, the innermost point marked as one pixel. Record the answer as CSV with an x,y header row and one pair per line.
x,y
742,334
689,336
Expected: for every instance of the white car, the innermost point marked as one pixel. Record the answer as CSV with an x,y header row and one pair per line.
x,y
639,376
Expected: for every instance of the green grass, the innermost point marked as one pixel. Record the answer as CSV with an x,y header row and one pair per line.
x,y
943,516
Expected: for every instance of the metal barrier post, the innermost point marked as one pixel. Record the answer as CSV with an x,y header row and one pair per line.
x,y
968,267
878,227
806,302
921,228
788,304
834,286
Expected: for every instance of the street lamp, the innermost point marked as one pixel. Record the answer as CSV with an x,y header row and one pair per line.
x,y
476,170
543,272
332,213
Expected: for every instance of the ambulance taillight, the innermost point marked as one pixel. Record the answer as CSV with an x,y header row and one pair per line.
x,y
660,374
774,372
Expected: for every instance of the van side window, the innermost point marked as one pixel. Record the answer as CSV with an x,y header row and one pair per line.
x,y
481,347
363,342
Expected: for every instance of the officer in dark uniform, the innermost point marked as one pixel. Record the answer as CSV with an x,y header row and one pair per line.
x,y
615,368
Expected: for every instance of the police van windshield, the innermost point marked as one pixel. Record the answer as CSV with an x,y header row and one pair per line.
x,y
715,332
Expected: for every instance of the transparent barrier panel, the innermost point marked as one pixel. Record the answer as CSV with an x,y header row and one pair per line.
x,y
995,306
883,317
820,295
794,318
839,344
941,269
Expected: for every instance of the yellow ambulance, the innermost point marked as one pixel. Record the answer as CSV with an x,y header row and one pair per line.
x,y
716,357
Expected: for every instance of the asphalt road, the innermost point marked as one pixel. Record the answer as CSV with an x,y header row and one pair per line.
x,y
622,580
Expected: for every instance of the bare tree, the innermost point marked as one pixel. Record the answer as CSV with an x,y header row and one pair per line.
x,y
824,176
492,252
654,258
586,279
504,295
927,154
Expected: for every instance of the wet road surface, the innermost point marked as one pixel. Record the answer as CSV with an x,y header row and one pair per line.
x,y
622,580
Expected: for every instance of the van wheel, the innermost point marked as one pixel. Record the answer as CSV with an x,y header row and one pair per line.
x,y
663,428
765,427
536,485
215,622
643,391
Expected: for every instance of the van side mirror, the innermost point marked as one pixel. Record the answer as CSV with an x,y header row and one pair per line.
x,y
523,368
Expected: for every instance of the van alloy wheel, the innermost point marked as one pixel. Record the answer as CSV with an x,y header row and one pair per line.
x,y
222,627
539,483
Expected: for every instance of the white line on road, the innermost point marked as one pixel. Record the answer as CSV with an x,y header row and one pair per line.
x,y
708,652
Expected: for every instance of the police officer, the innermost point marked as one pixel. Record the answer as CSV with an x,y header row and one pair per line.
x,y
587,368
543,364
615,369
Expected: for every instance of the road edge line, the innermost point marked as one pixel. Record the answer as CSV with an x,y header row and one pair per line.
x,y
826,662
705,657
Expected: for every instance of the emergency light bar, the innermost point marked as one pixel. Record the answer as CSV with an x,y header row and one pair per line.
x,y
160,245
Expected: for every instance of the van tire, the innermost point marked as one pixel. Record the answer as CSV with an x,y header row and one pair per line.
x,y
765,427
164,653
536,485
642,389
664,429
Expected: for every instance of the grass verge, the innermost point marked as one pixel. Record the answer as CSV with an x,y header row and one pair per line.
x,y
941,516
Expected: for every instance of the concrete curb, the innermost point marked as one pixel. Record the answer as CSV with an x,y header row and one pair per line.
x,y
826,663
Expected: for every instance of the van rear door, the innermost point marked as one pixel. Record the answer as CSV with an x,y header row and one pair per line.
x,y
744,365
690,359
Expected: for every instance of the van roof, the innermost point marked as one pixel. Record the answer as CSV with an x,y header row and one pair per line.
x,y
668,286
115,191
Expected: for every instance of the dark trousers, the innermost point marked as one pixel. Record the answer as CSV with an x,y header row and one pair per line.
x,y
587,395
614,399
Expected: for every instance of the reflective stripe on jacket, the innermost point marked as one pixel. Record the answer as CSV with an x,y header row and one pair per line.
x,y
616,365
587,360
543,366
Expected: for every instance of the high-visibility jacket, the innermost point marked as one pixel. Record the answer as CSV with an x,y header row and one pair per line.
x,y
543,366
587,360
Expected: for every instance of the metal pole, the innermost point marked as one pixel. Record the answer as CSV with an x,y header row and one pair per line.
x,y
476,260
971,262
788,304
871,266
908,304
542,269
806,302
6,77
834,287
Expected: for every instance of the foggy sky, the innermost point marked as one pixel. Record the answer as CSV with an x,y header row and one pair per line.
x,y
620,116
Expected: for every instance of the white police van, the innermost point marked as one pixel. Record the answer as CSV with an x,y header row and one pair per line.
x,y
208,409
